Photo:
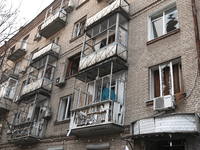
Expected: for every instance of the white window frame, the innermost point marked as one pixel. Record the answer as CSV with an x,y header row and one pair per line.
x,y
81,1
160,67
64,108
161,11
79,27
24,42
12,90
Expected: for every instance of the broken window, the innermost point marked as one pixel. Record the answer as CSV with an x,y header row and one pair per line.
x,y
165,79
64,108
164,22
73,65
24,42
79,28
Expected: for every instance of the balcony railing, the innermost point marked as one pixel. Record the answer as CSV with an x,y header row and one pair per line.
x,y
24,133
53,24
106,115
116,4
114,49
42,83
52,48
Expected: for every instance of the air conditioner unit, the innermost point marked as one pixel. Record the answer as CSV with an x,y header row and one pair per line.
x,y
59,82
164,103
23,70
16,98
37,37
69,7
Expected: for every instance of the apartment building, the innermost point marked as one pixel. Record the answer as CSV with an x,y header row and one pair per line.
x,y
103,75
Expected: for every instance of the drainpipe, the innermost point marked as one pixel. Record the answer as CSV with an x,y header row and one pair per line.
x,y
196,30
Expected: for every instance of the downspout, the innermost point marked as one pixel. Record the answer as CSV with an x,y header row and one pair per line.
x,y
196,30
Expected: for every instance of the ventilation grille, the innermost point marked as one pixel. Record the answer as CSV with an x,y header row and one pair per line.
x,y
159,102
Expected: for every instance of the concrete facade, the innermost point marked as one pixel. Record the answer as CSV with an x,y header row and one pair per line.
x,y
144,54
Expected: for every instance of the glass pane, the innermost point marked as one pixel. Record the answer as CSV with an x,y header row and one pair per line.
x,y
171,20
157,26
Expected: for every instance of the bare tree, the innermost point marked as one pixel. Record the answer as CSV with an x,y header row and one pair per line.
x,y
8,21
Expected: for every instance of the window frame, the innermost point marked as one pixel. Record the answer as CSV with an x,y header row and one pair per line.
x,y
24,42
77,25
64,108
70,63
159,68
157,13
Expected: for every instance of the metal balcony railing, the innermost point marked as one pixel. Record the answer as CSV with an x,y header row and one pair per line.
x,y
103,112
116,4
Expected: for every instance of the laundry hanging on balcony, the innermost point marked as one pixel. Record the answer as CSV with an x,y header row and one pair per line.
x,y
105,94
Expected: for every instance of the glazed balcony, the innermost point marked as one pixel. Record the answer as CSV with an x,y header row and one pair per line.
x,y
16,54
42,85
122,5
53,24
101,118
24,133
52,49
175,123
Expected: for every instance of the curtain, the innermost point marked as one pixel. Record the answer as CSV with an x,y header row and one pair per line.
x,y
156,84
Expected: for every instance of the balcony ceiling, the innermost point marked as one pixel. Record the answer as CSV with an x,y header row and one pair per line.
x,y
19,53
52,28
24,140
104,69
97,130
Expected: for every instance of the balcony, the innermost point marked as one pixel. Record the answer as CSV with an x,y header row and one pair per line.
x,y
175,123
17,54
42,85
99,106
52,49
9,73
24,133
53,24
118,4
102,118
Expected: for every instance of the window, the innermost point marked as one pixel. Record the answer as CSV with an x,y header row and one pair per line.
x,y
1,60
79,28
163,22
64,108
11,50
165,79
111,39
24,42
17,66
81,1
73,65
22,87
11,87
55,40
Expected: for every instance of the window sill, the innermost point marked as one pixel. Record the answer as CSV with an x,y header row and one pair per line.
x,y
163,36
76,38
61,122
82,4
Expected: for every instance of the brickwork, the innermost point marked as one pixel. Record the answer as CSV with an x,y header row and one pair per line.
x,y
141,57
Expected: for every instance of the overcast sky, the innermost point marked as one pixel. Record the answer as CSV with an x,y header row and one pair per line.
x,y
29,8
